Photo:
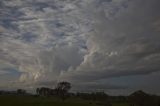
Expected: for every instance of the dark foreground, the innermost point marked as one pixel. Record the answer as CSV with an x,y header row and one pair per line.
x,y
49,101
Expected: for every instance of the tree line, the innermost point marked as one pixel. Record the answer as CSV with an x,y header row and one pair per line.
x,y
61,90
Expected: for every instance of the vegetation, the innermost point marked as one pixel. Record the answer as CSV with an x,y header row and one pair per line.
x,y
60,96
61,90
40,101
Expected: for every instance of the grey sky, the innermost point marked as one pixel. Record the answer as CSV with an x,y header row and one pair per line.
x,y
110,45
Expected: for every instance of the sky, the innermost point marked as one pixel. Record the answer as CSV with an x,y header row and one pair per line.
x,y
96,45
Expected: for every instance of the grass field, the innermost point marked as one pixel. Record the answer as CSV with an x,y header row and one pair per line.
x,y
42,101
120,104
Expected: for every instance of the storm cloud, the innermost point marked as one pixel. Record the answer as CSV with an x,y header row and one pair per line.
x,y
84,42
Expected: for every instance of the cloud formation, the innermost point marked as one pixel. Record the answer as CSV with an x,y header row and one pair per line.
x,y
79,41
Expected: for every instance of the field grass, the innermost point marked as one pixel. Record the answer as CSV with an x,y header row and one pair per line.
x,y
40,101
120,104
49,101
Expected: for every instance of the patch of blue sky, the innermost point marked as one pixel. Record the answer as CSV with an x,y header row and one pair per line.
x,y
10,75
28,37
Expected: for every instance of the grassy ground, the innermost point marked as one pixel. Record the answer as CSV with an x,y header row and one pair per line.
x,y
120,104
42,101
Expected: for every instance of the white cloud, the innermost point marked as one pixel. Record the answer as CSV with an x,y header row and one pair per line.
x,y
79,40
127,38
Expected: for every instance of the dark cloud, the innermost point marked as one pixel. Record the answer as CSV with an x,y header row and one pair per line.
x,y
79,41
125,45
92,86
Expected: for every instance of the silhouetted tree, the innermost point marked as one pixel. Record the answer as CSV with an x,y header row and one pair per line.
x,y
43,91
21,91
62,89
